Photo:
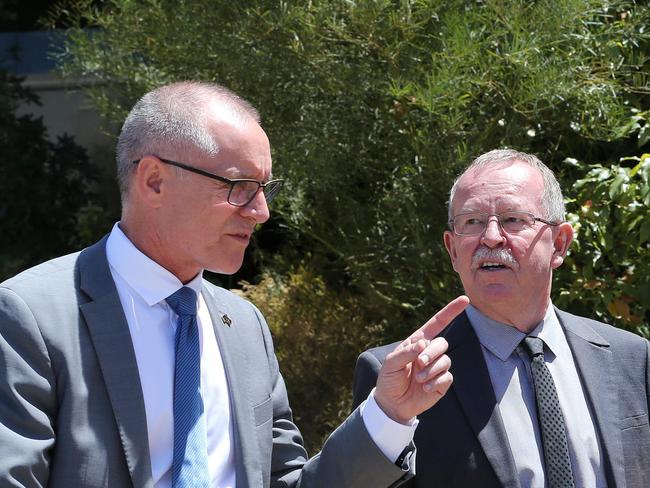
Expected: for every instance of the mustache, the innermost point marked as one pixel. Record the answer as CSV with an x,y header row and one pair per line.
x,y
499,255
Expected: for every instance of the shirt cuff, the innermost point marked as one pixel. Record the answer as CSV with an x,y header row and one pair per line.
x,y
391,437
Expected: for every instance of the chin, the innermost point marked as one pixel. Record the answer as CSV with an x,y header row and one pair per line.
x,y
227,268
492,294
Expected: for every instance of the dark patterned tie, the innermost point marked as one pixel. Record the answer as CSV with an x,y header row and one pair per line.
x,y
190,462
551,420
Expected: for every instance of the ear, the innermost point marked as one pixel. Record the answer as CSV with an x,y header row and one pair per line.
x,y
450,245
561,243
149,179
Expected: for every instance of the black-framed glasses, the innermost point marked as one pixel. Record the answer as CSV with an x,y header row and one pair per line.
x,y
475,223
241,191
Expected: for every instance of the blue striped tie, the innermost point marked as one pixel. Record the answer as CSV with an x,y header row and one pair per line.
x,y
190,464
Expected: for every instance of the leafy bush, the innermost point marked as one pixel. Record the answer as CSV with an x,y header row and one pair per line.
x,y
45,187
372,108
318,334
607,273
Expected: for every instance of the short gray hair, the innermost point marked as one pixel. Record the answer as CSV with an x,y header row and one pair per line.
x,y
552,199
171,122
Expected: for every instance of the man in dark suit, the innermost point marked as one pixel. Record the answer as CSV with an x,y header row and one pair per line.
x,y
120,366
492,429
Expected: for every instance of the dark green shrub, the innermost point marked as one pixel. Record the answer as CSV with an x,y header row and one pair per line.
x,y
45,187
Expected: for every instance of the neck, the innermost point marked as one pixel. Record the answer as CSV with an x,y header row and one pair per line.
x,y
151,244
522,320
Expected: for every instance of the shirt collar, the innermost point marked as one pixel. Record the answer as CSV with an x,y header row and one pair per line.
x,y
502,339
550,331
148,279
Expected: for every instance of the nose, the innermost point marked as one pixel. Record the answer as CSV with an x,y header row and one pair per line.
x,y
258,209
493,234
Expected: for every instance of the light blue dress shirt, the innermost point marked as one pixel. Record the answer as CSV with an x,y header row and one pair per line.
x,y
509,369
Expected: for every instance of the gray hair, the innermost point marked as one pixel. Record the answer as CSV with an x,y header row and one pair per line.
x,y
552,199
172,121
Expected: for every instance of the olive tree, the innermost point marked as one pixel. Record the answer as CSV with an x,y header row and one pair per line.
x,y
372,109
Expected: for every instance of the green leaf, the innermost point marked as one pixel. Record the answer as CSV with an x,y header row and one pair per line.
x,y
644,135
616,187
634,223
644,234
571,162
609,241
636,169
645,194
628,128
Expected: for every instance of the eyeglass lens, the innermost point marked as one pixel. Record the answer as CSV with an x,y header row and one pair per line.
x,y
243,192
476,223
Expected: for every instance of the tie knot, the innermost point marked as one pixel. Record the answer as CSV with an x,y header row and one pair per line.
x,y
534,346
183,301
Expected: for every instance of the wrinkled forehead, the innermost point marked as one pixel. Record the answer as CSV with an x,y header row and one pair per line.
x,y
508,184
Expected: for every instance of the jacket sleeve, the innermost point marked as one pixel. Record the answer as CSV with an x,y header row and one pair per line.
x,y
349,458
365,377
27,397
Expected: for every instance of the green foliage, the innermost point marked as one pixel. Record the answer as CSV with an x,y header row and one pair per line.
x,y
44,186
315,329
608,270
372,108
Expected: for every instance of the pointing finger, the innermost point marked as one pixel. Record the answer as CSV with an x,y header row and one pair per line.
x,y
439,321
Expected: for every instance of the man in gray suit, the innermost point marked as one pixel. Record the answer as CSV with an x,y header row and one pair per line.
x,y
507,235
120,366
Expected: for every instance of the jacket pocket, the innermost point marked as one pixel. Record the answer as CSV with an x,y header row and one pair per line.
x,y
263,412
634,421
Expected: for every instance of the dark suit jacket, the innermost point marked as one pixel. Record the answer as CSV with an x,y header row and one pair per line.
x,y
461,441
71,407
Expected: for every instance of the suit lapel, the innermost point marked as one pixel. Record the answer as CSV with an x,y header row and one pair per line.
x,y
111,338
233,354
473,389
595,367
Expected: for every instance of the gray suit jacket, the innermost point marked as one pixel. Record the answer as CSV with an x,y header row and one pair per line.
x,y
71,406
461,441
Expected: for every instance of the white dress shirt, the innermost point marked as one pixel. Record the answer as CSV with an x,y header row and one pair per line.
x,y
509,368
143,285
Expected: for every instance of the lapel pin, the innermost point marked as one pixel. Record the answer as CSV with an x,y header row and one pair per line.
x,y
226,320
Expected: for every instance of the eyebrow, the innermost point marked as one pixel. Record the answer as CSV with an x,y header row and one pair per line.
x,y
236,173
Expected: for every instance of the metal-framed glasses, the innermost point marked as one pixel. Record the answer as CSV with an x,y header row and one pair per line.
x,y
241,191
475,223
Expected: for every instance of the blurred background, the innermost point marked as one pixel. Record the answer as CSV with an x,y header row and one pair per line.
x,y
372,109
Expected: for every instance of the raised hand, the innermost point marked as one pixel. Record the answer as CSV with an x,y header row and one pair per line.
x,y
416,374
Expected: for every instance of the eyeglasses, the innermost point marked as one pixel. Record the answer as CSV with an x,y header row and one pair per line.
x,y
475,223
241,191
